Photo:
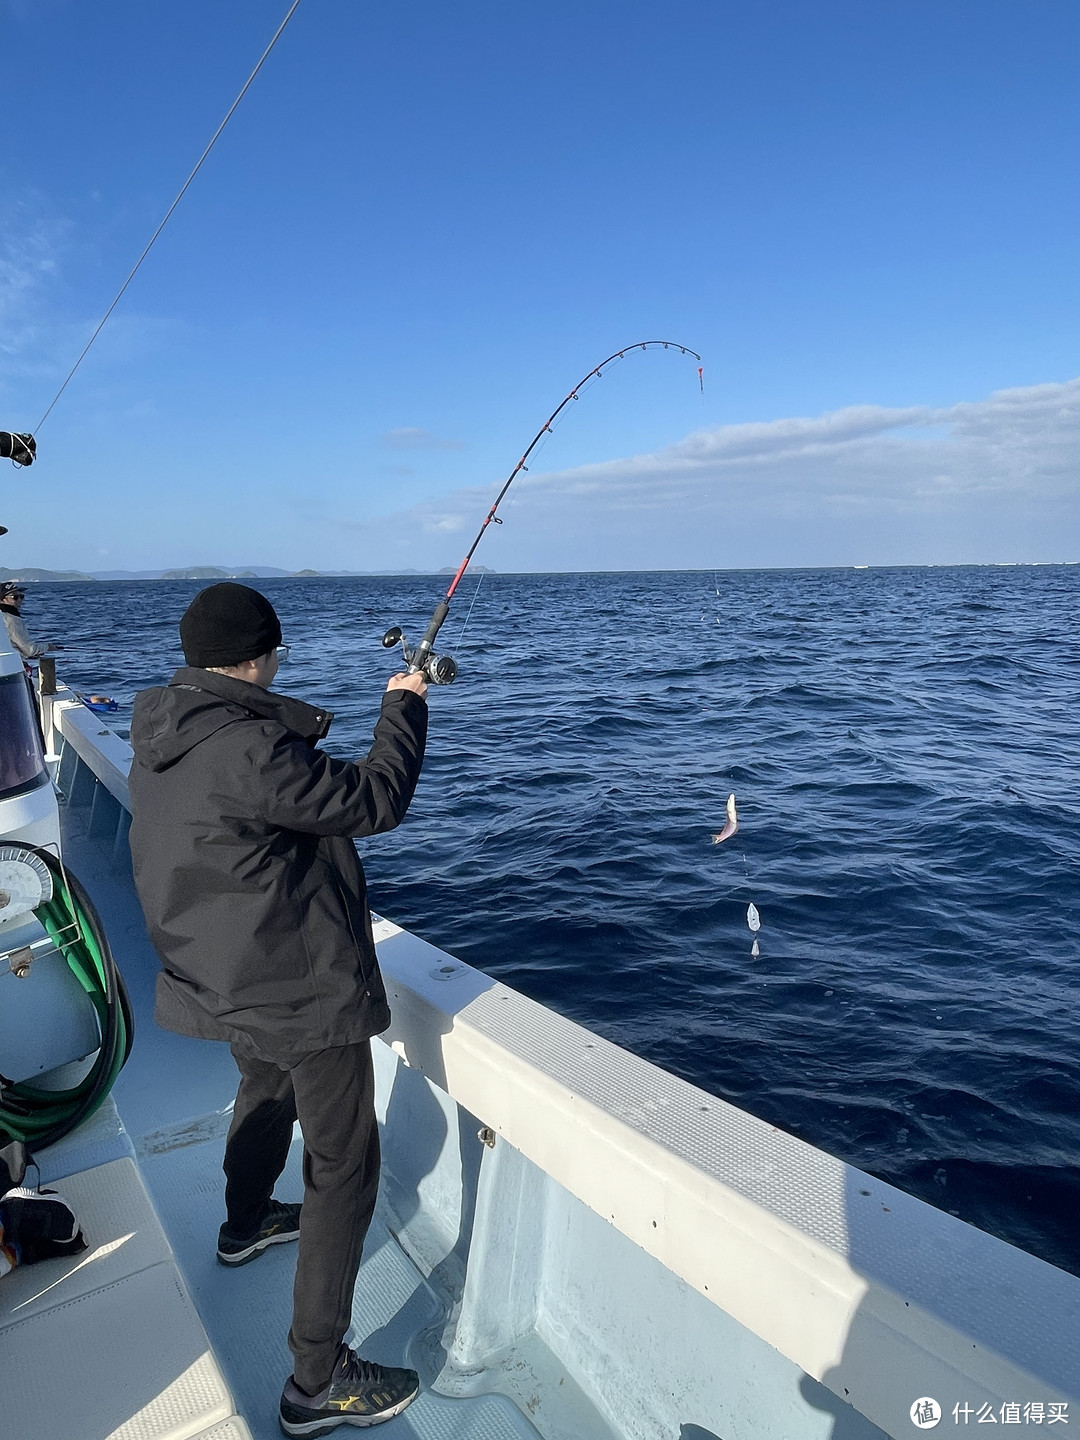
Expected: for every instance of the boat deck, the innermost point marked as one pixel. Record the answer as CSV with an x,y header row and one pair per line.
x,y
173,1100
569,1243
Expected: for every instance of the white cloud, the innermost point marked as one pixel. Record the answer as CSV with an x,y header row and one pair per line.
x,y
1016,441
28,260
977,481
38,345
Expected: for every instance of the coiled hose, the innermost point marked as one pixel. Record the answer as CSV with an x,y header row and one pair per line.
x,y
40,1117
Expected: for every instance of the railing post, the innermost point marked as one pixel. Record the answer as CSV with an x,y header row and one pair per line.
x,y
46,689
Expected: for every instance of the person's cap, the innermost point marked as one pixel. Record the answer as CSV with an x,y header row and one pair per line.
x,y
227,624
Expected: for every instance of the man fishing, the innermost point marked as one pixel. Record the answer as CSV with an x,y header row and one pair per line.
x,y
254,895
12,599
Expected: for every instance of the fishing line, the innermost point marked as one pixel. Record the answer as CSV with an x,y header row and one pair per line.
x,y
731,828
183,190
753,919
468,617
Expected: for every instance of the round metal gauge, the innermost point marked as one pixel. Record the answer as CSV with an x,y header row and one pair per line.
x,y
25,881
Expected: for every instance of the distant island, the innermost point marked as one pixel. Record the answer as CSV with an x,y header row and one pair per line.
x,y
31,574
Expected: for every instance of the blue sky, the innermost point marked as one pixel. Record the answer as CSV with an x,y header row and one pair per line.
x,y
426,222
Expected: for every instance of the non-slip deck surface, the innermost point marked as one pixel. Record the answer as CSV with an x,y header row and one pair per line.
x,y
173,1098
107,1344
246,1311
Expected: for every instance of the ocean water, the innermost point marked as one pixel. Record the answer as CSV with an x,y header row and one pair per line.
x,y
905,748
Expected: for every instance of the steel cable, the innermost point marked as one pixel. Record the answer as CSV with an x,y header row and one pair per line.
x,y
168,213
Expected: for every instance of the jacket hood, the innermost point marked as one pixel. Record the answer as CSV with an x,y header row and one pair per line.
x,y
170,720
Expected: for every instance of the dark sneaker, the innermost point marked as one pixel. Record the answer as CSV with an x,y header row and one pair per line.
x,y
282,1222
359,1393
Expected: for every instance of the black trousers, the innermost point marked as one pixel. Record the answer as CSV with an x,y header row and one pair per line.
x,y
332,1093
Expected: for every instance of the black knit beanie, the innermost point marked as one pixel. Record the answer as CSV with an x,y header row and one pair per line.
x,y
226,624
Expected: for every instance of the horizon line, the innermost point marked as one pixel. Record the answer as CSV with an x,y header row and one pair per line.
x,y
77,578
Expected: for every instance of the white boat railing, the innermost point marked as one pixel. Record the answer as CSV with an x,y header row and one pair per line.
x,y
877,1295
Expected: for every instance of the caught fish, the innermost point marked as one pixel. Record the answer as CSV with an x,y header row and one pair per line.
x,y
731,825
753,919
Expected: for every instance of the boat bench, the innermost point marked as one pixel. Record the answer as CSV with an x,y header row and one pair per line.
x,y
107,1345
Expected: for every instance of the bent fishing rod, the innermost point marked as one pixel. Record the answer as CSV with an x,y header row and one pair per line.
x,y
421,659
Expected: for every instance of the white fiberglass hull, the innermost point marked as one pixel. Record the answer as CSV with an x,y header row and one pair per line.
x,y
570,1242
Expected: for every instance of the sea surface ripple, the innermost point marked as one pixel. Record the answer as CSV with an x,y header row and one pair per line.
x,y
904,747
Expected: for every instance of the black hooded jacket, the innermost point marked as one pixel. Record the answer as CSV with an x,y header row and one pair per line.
x,y
241,844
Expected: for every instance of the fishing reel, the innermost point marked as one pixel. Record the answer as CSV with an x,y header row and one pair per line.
x,y
436,669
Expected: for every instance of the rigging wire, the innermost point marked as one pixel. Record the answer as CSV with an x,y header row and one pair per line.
x,y
183,190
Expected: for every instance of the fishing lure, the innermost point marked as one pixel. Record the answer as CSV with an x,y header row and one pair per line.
x,y
753,920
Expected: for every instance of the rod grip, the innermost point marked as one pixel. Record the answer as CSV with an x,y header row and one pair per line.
x,y
423,650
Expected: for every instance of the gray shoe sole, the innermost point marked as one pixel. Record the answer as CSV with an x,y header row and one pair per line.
x,y
307,1428
241,1257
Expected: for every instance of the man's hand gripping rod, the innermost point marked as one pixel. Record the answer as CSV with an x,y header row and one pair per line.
x,y
441,669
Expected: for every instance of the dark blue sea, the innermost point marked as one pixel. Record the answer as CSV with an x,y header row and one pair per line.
x,y
905,749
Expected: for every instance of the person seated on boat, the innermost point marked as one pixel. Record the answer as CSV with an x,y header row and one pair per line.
x,y
12,597
243,856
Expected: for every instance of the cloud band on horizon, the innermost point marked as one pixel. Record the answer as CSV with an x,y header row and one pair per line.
x,y
864,483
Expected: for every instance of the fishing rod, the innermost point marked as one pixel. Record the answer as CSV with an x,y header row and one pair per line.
x,y
442,669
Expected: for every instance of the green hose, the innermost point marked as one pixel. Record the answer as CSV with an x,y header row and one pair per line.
x,y
40,1117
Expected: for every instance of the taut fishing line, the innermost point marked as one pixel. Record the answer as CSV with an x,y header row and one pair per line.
x,y
731,828
442,669
472,607
165,220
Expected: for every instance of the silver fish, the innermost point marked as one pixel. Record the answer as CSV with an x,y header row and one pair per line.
x,y
731,824
753,919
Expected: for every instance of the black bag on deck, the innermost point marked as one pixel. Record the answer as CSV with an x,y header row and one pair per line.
x,y
12,1165
34,1224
